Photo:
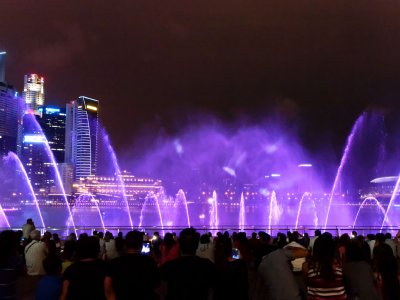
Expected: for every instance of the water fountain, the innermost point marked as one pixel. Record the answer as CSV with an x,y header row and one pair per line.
x,y
378,205
118,174
343,162
151,200
307,195
242,214
181,199
12,157
53,163
82,212
4,218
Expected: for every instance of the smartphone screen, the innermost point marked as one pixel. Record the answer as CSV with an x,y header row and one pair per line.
x,y
235,253
146,248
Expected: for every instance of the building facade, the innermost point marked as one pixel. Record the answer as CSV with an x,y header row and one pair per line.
x,y
82,128
10,114
33,93
52,120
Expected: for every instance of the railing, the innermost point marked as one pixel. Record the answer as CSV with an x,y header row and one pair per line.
x,y
273,230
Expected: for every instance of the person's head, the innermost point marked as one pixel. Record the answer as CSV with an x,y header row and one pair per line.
x,y
222,251
169,240
254,235
134,240
56,238
29,221
189,241
87,247
317,232
100,235
52,265
120,235
344,240
324,255
35,235
69,249
380,238
72,236
108,236
388,236
94,233
354,233
354,251
205,239
226,234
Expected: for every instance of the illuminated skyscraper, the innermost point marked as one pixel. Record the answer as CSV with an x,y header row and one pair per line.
x,y
52,121
2,66
33,92
10,110
82,126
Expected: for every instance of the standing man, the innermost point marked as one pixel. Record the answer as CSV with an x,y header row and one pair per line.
x,y
35,252
27,229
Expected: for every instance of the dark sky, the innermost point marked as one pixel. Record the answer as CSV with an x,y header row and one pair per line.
x,y
155,63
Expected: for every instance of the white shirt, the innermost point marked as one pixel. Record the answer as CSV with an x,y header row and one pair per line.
x,y
35,253
111,249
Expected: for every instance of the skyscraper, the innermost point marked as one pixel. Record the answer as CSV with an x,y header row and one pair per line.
x,y
52,121
2,66
33,92
82,126
10,111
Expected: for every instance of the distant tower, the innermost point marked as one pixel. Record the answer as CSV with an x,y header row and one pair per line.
x,y
10,113
2,66
33,92
81,136
52,121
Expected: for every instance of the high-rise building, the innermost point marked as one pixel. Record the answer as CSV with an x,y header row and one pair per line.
x,y
2,66
34,156
82,126
10,113
33,92
52,121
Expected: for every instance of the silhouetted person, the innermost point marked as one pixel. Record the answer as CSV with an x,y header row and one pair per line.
x,y
85,279
232,279
49,287
134,275
11,264
189,277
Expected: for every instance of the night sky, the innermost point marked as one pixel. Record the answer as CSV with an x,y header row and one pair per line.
x,y
158,65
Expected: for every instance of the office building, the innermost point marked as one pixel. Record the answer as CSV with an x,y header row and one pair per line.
x,y
2,66
10,114
82,126
52,121
33,92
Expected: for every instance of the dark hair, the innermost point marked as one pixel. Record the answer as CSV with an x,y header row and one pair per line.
x,y
189,241
205,239
169,240
52,265
324,256
87,247
69,249
134,240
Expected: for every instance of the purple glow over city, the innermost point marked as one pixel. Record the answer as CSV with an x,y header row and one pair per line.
x,y
214,178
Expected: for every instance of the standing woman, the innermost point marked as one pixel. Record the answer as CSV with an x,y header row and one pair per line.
x,y
324,277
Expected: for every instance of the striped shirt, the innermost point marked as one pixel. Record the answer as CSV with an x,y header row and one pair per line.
x,y
318,288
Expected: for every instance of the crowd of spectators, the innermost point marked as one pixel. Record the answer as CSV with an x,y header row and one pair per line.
x,y
194,266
